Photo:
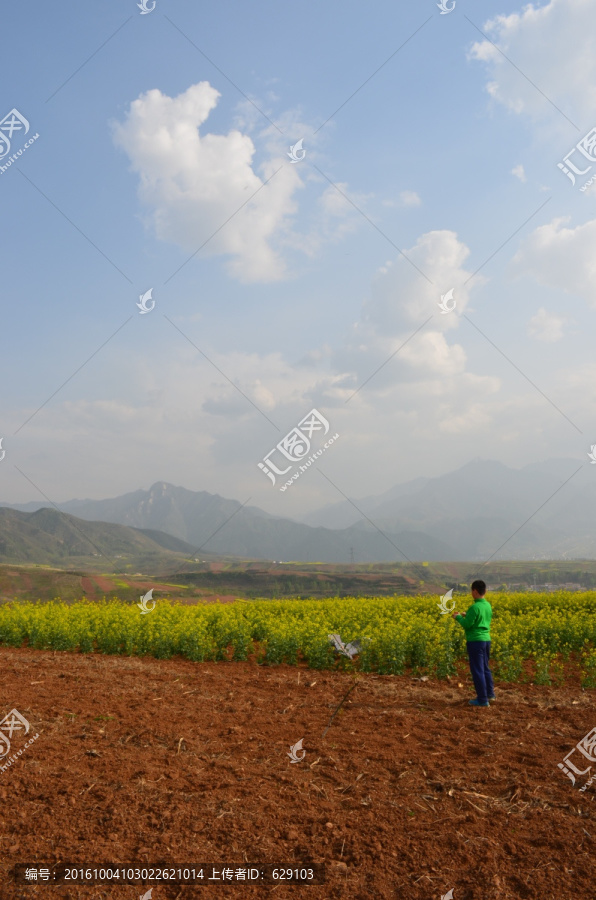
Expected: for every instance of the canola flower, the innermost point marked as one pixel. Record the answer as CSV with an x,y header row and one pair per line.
x,y
406,633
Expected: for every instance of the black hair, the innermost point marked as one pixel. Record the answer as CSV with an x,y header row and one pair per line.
x,y
479,586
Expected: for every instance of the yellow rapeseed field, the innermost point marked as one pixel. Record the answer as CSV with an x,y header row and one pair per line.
x,y
402,633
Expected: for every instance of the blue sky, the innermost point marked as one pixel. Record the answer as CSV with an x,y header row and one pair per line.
x,y
447,152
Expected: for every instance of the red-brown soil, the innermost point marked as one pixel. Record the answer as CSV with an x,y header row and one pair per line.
x,y
410,794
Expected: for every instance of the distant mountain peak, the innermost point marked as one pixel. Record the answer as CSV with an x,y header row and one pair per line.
x,y
162,487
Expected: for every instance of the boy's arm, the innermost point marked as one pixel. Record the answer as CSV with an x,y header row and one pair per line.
x,y
468,620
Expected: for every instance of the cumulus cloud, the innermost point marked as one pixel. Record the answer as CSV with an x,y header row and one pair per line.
x,y
193,182
403,297
203,190
519,172
546,326
554,46
401,300
561,257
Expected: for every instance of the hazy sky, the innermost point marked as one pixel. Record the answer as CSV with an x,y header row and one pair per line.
x,y
429,165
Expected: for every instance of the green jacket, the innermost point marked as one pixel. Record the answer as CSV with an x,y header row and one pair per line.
x,y
476,622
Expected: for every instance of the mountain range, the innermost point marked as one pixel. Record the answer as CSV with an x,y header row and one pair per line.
x,y
209,524
546,510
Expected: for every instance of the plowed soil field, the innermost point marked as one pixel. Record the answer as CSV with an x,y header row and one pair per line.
x,y
410,794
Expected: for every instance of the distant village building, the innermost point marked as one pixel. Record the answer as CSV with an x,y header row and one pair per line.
x,y
550,588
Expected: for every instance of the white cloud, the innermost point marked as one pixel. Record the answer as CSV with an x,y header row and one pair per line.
x,y
561,257
476,416
431,355
409,198
403,297
334,218
200,418
187,424
335,203
519,172
545,326
192,183
555,47
406,198
401,301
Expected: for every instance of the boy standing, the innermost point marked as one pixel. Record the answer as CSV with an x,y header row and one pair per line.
x,y
476,624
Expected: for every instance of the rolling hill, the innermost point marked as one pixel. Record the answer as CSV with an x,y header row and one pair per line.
x,y
53,538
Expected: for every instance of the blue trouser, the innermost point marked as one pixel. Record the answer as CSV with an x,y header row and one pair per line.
x,y
479,654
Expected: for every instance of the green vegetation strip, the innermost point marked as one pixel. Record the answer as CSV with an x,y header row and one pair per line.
x,y
406,633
